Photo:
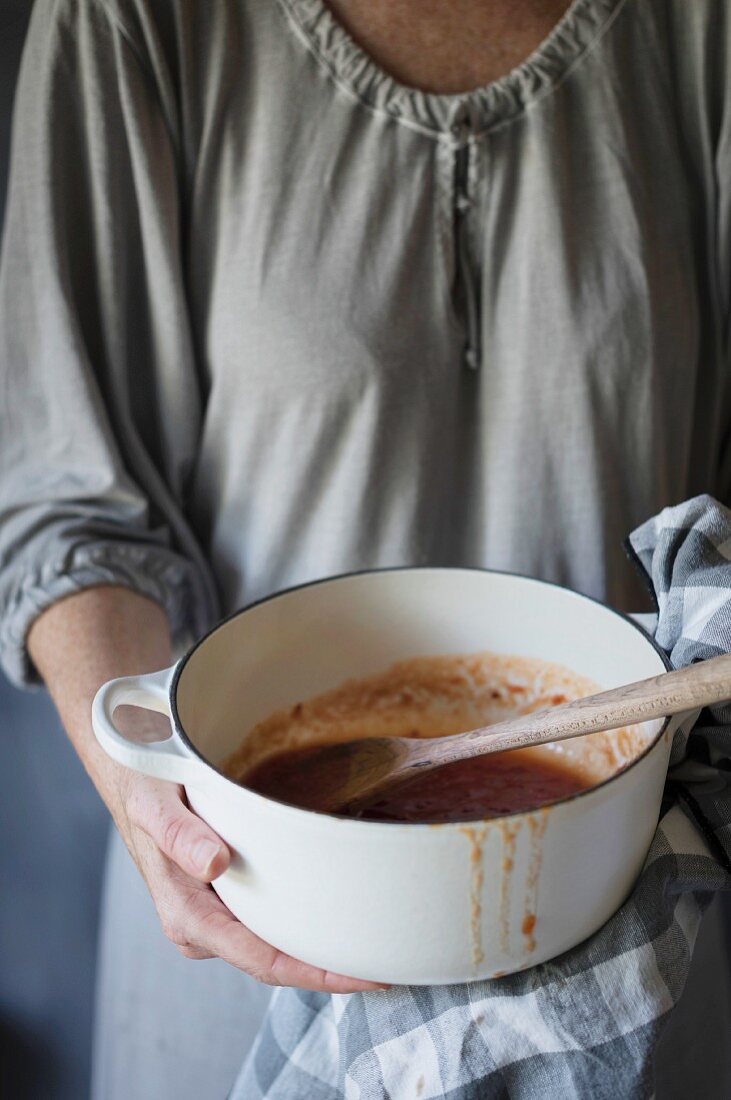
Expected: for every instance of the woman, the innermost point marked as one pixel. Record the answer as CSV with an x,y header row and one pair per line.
x,y
284,296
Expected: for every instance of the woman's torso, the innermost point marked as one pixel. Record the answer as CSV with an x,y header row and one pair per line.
x,y
480,329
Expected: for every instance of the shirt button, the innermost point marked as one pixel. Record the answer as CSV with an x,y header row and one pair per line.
x,y
460,130
471,358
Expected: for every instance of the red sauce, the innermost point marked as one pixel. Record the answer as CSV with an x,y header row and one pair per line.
x,y
468,790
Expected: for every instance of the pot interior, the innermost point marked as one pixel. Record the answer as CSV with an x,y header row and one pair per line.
x,y
308,641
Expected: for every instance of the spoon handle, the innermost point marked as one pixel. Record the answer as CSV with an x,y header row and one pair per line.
x,y
685,689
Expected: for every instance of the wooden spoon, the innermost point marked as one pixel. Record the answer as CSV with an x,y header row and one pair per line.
x,y
349,773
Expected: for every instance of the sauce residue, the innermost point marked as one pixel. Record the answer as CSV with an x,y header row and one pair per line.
x,y
537,827
509,834
436,696
529,923
429,697
476,836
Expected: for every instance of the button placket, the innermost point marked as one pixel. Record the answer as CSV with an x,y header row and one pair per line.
x,y
464,150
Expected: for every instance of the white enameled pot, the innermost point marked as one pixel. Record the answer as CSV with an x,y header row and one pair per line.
x,y
418,904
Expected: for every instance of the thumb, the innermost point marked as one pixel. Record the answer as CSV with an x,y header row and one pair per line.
x,y
179,833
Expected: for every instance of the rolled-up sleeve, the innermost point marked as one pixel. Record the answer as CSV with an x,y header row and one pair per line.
x,y
100,394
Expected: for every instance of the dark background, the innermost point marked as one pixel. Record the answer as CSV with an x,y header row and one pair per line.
x,y
53,831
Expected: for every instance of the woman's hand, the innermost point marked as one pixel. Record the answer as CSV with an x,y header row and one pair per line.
x,y
78,644
178,856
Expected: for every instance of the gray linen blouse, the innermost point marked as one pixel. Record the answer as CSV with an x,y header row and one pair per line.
x,y
268,315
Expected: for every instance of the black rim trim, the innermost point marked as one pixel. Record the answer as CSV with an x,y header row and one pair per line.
x,y
179,668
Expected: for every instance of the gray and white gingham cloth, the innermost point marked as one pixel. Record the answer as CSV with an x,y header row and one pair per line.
x,y
586,1023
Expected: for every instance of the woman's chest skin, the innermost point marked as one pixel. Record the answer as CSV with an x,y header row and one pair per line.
x,y
448,46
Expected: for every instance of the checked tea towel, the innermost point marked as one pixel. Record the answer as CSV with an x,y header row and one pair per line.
x,y
586,1023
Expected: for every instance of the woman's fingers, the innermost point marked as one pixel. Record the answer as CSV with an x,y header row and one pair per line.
x,y
179,855
158,809
207,925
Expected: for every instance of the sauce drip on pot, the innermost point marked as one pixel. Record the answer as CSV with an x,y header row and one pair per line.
x,y
467,790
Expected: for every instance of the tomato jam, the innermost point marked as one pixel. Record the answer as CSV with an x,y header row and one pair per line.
x,y
467,790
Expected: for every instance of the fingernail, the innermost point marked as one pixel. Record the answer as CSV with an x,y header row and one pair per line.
x,y
204,853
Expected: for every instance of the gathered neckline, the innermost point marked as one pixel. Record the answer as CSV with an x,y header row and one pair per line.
x,y
461,114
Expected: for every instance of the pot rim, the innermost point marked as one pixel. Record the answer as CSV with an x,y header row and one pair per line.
x,y
183,661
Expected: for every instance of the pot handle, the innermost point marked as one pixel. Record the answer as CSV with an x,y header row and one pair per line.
x,y
165,759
